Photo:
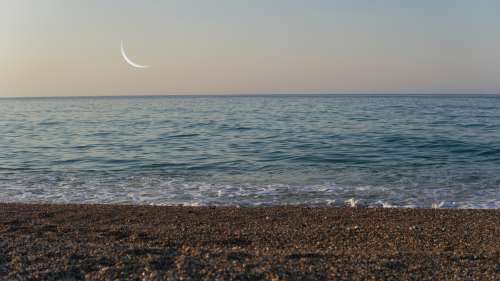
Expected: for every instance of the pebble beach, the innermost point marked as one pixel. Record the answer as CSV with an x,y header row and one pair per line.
x,y
116,242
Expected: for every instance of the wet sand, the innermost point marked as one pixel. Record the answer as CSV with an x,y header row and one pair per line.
x,y
105,242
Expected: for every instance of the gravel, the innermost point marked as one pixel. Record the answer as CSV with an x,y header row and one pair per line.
x,y
108,242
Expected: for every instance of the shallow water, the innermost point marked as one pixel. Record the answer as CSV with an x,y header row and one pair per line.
x,y
406,151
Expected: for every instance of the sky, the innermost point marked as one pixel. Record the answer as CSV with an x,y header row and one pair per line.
x,y
72,48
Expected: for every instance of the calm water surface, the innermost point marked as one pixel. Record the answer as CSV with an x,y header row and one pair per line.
x,y
407,151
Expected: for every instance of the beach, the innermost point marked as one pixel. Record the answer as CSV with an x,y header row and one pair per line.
x,y
106,242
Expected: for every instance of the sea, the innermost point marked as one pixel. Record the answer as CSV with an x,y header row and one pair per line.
x,y
405,151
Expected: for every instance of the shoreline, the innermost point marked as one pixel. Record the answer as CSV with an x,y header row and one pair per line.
x,y
95,242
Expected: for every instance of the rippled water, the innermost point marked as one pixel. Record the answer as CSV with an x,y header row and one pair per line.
x,y
409,151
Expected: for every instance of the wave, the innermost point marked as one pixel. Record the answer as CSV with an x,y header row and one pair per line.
x,y
162,190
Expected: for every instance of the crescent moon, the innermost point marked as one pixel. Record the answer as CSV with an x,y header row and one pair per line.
x,y
129,61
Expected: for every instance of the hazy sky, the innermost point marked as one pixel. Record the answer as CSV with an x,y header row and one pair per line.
x,y
52,48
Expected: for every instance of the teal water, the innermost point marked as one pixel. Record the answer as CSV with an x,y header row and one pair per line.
x,y
406,151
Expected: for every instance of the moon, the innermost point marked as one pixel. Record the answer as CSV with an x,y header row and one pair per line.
x,y
129,61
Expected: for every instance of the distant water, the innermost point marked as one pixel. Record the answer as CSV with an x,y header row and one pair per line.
x,y
405,151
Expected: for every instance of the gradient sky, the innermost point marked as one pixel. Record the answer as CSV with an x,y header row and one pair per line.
x,y
64,48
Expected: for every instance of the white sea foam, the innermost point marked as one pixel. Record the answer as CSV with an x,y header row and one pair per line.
x,y
437,205
383,204
162,190
351,202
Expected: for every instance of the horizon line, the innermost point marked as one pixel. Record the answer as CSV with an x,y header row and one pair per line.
x,y
457,92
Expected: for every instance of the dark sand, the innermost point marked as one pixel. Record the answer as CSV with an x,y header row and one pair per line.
x,y
154,243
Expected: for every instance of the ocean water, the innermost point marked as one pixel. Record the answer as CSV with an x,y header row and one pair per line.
x,y
402,151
